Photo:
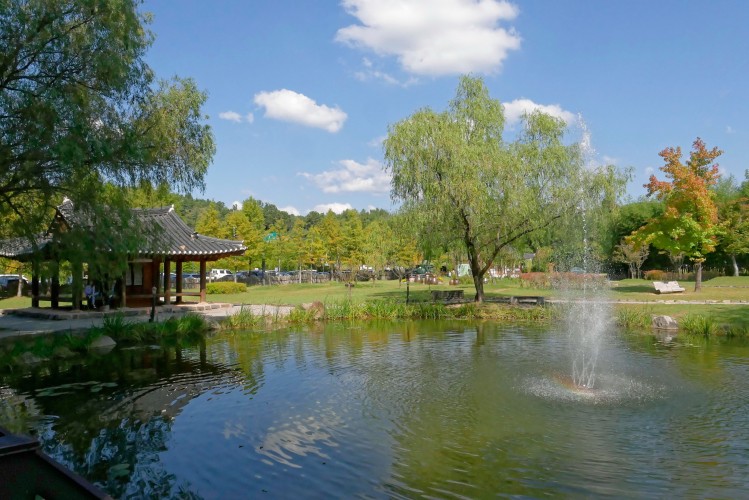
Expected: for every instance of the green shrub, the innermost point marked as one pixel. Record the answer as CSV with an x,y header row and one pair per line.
x,y
655,275
225,287
192,324
301,315
736,331
634,318
242,320
115,326
697,324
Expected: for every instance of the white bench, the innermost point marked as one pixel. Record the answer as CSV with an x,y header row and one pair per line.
x,y
667,287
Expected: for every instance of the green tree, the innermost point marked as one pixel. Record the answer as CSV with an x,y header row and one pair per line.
x,y
81,109
378,247
689,223
332,235
454,169
313,249
353,241
210,223
633,255
253,239
733,212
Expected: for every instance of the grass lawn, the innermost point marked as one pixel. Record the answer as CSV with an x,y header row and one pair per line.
x,y
717,289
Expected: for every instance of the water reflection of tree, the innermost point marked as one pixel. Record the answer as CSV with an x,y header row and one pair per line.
x,y
112,414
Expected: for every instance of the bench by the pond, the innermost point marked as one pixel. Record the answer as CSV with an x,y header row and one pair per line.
x,y
447,295
528,299
667,287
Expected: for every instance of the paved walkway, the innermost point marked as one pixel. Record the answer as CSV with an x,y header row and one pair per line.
x,y
42,321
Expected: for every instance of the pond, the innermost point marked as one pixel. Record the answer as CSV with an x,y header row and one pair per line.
x,y
388,410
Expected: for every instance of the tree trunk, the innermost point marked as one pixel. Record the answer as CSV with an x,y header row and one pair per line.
x,y
478,282
19,291
735,265
478,276
698,276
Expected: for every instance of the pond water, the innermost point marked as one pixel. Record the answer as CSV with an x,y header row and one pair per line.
x,y
405,409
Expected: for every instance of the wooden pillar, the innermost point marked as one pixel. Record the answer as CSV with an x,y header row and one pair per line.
x,y
180,280
77,267
155,282
34,283
123,290
167,281
202,281
54,289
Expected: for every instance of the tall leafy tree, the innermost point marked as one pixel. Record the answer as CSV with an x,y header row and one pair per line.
x,y
210,223
633,255
332,235
378,245
455,170
733,211
253,239
353,241
689,224
81,109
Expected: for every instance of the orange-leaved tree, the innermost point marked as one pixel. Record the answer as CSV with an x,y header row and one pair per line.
x,y
689,223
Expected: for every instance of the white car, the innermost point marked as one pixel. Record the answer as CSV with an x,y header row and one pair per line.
x,y
217,274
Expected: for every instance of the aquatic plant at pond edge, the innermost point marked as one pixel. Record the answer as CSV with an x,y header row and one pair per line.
x,y
242,320
697,324
634,318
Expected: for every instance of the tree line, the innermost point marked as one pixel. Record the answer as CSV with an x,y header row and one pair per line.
x,y
83,116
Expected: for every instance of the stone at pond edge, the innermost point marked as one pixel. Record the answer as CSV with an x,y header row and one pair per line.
x,y
665,323
104,343
27,358
62,352
317,308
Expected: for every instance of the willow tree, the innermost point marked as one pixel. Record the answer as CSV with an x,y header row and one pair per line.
x,y
455,170
82,110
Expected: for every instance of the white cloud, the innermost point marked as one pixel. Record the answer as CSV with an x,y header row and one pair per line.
x,y
649,171
370,177
236,205
377,141
290,210
729,129
249,117
290,106
371,73
438,37
231,116
337,208
515,110
610,160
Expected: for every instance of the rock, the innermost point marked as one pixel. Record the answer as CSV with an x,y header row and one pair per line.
x,y
63,352
102,344
317,308
27,359
665,323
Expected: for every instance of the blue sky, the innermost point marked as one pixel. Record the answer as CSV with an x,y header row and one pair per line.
x,y
301,93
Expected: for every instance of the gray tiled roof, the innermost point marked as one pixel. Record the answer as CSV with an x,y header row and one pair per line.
x,y
180,239
14,248
175,238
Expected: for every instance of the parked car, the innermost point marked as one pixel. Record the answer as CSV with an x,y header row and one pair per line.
x,y
217,274
9,284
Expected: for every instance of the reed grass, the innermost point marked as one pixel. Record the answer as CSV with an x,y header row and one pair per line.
x,y
634,318
698,324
